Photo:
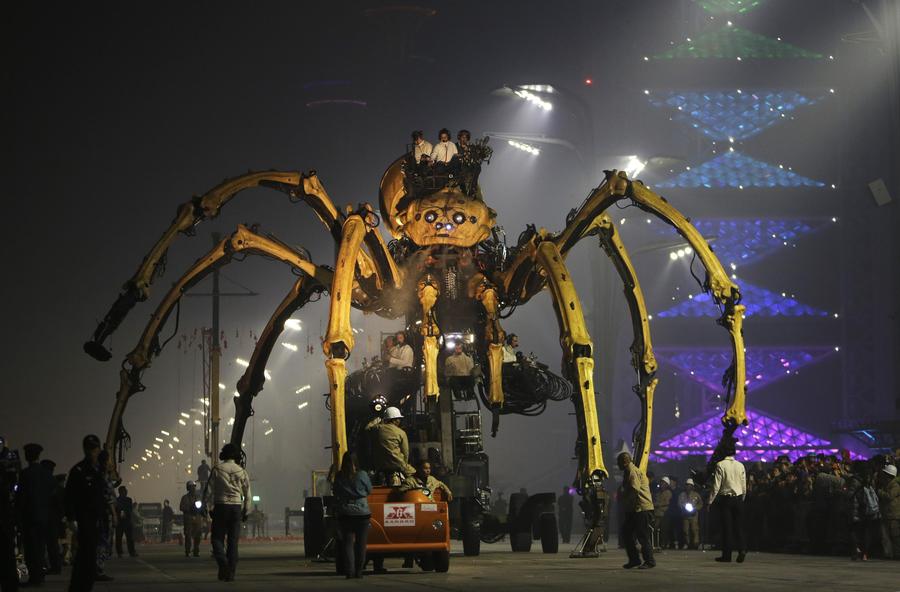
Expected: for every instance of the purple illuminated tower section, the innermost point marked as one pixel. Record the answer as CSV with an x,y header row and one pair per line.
x,y
764,439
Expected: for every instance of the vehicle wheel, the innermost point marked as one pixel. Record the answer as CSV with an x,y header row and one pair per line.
x,y
520,541
549,535
313,527
471,529
426,562
441,561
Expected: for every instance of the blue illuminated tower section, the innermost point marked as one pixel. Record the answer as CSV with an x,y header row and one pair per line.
x,y
757,209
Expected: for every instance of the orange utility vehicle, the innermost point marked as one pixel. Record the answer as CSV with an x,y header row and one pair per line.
x,y
403,523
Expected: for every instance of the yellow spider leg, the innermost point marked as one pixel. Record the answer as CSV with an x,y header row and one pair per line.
x,y
577,351
618,187
428,294
138,360
486,293
254,377
338,341
642,358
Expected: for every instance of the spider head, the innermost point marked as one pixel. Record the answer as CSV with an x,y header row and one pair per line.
x,y
448,217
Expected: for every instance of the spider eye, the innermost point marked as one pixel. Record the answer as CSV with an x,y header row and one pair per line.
x,y
459,217
473,219
430,216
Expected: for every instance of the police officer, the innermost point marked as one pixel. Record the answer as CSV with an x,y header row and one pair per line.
x,y
191,508
85,505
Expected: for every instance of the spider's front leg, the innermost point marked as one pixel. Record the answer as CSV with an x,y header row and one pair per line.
x,y
338,342
253,379
427,293
578,361
494,335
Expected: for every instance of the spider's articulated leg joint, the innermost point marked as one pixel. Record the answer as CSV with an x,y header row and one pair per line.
x,y
338,342
577,352
486,294
427,293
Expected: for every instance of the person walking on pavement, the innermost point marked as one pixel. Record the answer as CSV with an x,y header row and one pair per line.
x,y
729,487
203,473
889,502
638,507
85,500
125,523
168,517
33,503
351,488
228,493
191,508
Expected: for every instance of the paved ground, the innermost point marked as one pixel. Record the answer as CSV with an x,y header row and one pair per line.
x,y
280,566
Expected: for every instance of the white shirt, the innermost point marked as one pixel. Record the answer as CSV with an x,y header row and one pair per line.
x,y
730,478
458,365
401,356
443,152
424,148
509,354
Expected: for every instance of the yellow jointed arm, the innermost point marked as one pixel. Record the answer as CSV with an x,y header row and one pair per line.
x,y
642,358
726,293
427,293
486,294
189,215
254,377
338,341
577,350
242,240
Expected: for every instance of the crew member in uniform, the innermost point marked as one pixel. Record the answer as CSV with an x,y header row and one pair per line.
x,y
191,508
424,480
638,507
85,506
690,502
728,489
390,447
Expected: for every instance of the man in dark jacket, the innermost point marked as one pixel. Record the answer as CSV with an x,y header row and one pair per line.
x,y
85,505
33,503
125,523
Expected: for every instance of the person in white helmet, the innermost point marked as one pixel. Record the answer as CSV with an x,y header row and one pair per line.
x,y
689,502
889,502
390,447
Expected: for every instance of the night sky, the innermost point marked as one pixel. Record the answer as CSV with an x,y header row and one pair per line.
x,y
121,111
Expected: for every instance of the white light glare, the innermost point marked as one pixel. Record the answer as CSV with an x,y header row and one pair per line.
x,y
230,421
185,415
292,324
182,422
303,404
269,431
221,387
164,432
534,99
305,387
634,166
242,362
290,346
267,374
544,88
673,255
524,147
197,422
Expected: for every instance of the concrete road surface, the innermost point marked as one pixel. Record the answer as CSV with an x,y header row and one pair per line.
x,y
275,566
